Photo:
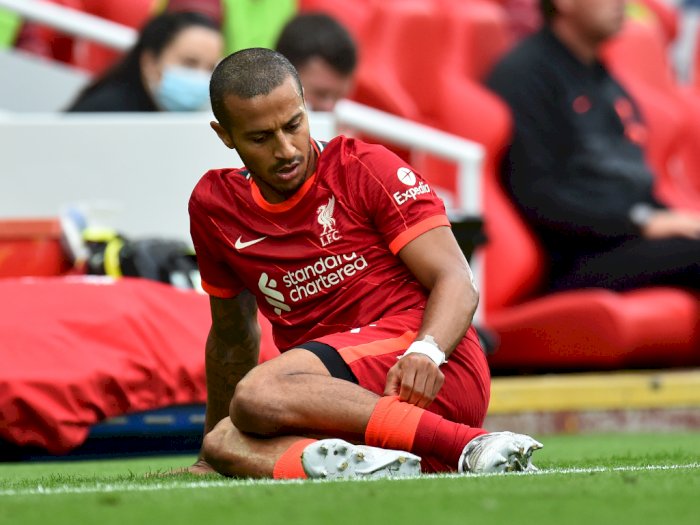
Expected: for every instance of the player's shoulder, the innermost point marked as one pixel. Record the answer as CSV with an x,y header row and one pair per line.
x,y
217,182
348,151
349,146
355,168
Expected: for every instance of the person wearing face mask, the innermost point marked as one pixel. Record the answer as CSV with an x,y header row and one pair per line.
x,y
168,69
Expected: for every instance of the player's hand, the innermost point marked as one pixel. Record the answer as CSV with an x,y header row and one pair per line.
x,y
416,379
665,224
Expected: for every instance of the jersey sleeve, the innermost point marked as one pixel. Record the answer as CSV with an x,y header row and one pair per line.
x,y
398,201
217,278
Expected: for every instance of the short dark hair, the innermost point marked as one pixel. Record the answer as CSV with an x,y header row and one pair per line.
x,y
548,10
246,74
310,35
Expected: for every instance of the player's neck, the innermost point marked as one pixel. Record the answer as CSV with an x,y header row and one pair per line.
x,y
313,159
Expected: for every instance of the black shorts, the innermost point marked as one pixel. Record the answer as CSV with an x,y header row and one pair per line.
x,y
331,359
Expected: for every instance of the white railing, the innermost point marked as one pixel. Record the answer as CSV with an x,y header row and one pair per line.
x,y
74,22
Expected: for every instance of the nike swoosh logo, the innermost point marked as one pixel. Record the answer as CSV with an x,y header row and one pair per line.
x,y
240,244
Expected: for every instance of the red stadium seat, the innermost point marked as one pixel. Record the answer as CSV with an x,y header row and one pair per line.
x,y
666,15
690,153
409,57
411,42
587,329
389,77
578,330
638,57
479,36
591,329
639,52
82,53
32,248
354,15
132,13
46,41
400,37
598,329
695,74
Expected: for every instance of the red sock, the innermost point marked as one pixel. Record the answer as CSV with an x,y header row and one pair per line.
x,y
289,466
398,425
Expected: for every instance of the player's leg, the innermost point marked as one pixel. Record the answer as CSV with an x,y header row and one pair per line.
x,y
464,398
233,453
296,394
293,395
441,434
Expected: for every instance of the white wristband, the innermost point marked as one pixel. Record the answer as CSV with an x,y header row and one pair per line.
x,y
436,355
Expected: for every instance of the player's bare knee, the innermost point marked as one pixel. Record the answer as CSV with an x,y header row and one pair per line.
x,y
252,408
213,447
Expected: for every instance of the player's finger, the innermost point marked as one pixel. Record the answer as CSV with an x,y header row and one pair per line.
x,y
426,397
432,386
407,380
420,382
439,380
392,382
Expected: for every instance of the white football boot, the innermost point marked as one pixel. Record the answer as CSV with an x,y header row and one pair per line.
x,y
337,459
499,452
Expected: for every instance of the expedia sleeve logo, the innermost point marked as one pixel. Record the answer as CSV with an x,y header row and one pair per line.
x,y
407,177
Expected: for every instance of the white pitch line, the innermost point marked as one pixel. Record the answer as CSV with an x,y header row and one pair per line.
x,y
103,488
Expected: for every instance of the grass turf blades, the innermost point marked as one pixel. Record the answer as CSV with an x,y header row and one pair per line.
x,y
623,478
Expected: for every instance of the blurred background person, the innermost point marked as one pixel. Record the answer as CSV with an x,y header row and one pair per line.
x,y
324,54
576,166
168,68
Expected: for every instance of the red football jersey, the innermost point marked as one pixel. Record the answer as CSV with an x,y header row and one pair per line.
x,y
323,261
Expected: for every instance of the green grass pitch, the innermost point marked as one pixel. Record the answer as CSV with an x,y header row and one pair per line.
x,y
592,480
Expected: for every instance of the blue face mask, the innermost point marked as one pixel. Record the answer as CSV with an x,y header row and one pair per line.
x,y
183,89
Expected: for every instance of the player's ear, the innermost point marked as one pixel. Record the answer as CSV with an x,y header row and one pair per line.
x,y
222,134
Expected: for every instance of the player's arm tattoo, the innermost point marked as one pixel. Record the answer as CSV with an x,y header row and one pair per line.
x,y
232,350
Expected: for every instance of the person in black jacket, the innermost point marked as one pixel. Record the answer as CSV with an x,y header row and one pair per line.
x,y
576,167
168,69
